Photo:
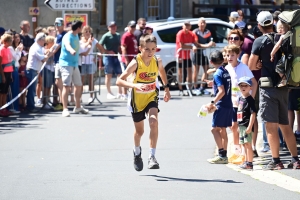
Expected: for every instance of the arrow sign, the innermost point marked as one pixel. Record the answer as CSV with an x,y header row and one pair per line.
x,y
70,5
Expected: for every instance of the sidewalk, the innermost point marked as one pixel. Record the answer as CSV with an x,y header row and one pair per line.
x,y
287,178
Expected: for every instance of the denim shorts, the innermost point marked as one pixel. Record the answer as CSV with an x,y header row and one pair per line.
x,y
222,117
87,69
112,65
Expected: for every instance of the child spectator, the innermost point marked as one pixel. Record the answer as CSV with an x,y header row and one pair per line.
x,y
48,72
22,81
246,116
6,59
223,115
282,28
237,70
294,105
143,98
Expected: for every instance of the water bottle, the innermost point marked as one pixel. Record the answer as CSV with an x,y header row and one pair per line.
x,y
202,112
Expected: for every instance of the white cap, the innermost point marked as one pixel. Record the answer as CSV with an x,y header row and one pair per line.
x,y
264,18
39,36
234,14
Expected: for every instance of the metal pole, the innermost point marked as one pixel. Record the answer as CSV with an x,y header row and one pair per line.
x,y
171,8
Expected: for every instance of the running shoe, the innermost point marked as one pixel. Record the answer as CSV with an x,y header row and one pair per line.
x,y
138,161
218,160
265,149
152,163
58,107
273,166
38,102
81,110
65,113
294,165
246,166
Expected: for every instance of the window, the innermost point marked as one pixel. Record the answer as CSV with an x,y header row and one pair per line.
x,y
219,32
153,11
169,35
119,11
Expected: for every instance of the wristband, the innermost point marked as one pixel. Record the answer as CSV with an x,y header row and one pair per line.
x,y
166,86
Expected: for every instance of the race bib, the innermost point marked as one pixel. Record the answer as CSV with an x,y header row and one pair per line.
x,y
148,89
239,116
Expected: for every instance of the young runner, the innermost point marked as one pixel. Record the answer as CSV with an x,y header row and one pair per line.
x,y
141,75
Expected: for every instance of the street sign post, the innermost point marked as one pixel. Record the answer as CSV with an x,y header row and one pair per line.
x,y
67,5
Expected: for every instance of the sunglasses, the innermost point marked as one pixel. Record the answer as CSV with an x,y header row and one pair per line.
x,y
234,38
245,85
58,24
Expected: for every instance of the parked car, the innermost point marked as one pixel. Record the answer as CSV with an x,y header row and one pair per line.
x,y
165,33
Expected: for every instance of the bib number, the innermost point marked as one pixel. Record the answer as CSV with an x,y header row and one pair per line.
x,y
239,116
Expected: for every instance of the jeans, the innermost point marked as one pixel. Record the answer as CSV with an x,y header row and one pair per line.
x,y
265,138
30,74
15,89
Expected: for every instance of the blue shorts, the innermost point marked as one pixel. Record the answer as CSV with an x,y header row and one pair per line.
x,y
294,100
234,114
87,69
48,78
222,117
112,65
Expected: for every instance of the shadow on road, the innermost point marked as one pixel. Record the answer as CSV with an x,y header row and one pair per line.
x,y
164,178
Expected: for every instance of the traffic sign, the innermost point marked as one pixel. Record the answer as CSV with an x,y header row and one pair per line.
x,y
68,5
34,10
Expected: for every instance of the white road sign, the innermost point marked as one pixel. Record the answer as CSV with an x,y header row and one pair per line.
x,y
70,5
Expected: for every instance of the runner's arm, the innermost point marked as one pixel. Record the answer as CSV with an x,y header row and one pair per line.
x,y
121,81
164,79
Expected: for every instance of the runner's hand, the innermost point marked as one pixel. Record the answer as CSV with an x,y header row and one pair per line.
x,y
167,95
140,86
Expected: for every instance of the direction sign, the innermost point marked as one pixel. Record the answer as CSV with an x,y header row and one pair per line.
x,y
70,5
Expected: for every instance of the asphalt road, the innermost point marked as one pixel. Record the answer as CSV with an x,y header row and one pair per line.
x,y
46,156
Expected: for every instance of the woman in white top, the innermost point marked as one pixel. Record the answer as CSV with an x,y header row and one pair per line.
x,y
88,62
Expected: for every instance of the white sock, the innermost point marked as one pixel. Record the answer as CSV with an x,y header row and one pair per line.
x,y
137,150
152,152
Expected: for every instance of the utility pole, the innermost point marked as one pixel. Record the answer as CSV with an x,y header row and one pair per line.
x,y
34,23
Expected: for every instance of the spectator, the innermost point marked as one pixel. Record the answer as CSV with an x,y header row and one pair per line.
x,y
22,81
35,58
68,62
141,23
240,22
184,41
233,18
26,39
110,43
6,65
148,30
275,17
129,47
51,31
198,58
273,101
57,89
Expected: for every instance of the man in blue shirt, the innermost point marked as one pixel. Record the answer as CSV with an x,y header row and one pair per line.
x,y
222,117
68,62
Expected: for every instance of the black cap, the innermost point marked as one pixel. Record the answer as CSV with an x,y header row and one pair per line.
x,y
2,31
257,32
131,23
216,57
112,23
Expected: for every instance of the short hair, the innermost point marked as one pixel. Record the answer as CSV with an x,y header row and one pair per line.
x,y
39,29
76,24
216,57
237,32
147,38
275,15
241,13
50,28
23,22
233,48
201,19
266,28
86,27
141,19
6,37
49,39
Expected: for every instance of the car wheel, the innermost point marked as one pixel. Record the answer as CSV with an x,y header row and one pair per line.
x,y
171,73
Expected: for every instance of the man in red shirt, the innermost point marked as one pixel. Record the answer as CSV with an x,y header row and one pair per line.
x,y
129,47
185,40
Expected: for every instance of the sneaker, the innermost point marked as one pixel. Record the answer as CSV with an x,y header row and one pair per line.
x,y
47,107
119,96
33,110
273,166
205,92
255,154
232,158
81,110
152,163
65,113
110,96
90,100
71,103
196,92
124,97
218,160
138,162
240,160
58,107
182,93
39,102
246,166
14,112
265,149
294,165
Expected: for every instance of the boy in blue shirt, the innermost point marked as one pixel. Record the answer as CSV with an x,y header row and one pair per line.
x,y
222,117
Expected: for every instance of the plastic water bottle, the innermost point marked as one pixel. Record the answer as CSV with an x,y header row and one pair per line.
x,y
202,112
